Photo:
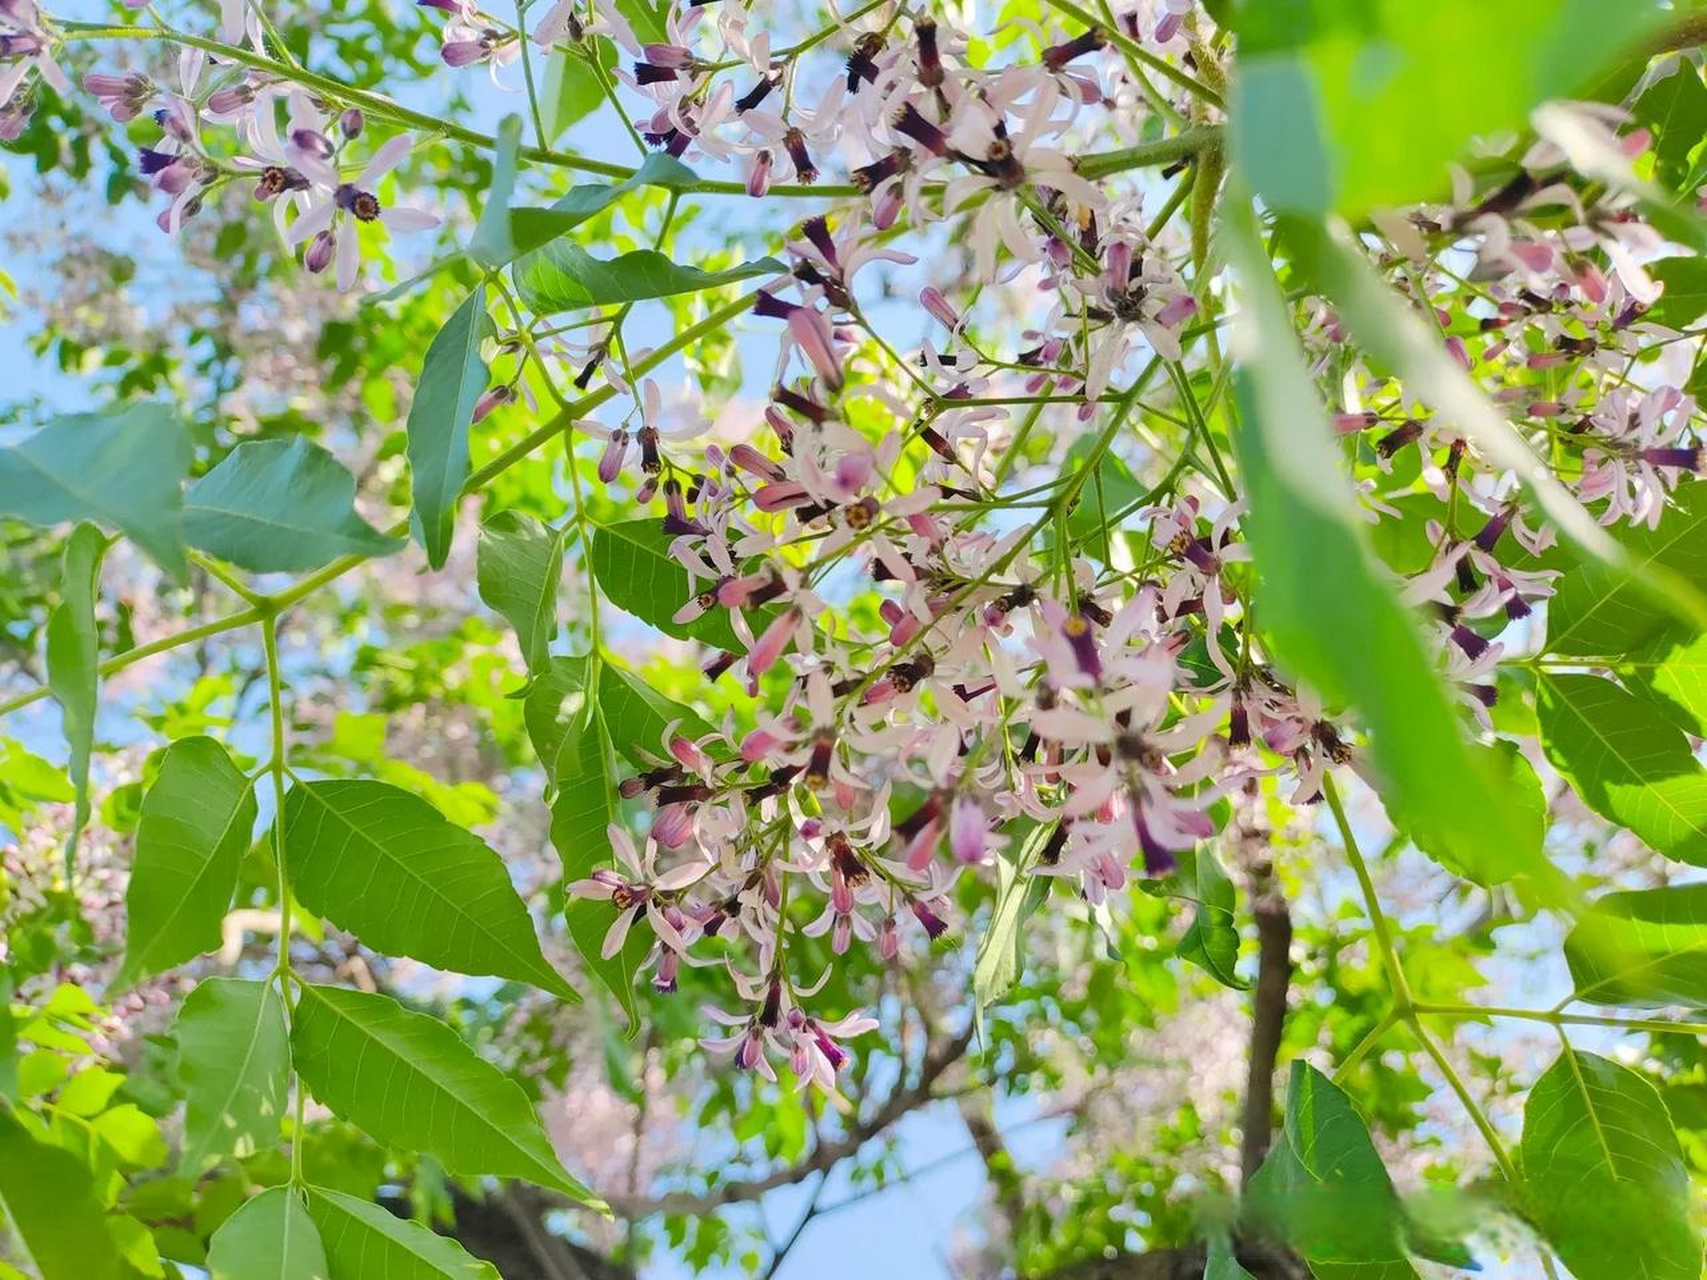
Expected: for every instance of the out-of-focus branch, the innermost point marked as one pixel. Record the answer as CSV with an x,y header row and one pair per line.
x,y
904,1100
1268,1018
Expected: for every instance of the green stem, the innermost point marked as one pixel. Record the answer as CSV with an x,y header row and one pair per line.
x,y
380,107
1132,49
1657,1026
1404,1005
164,644
281,968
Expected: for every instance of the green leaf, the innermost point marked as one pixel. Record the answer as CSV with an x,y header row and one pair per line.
x,y
1671,672
1001,951
575,747
1313,74
1626,762
234,1063
363,1240
1323,1188
1645,947
492,245
389,868
408,1080
562,276
280,506
649,19
195,827
1221,1264
632,563
269,1238
74,662
49,1198
124,470
1676,109
570,89
1598,612
453,377
530,228
637,716
1333,618
1605,1180
519,565
1211,942
1524,861
558,712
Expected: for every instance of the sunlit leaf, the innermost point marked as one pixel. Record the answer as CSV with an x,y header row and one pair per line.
x,y
392,870
575,746
270,1238
453,376
407,1079
562,276
634,568
519,568
1605,1180
234,1064
122,470
197,821
493,244
1323,1188
1211,941
280,506
1626,761
1643,947
362,1239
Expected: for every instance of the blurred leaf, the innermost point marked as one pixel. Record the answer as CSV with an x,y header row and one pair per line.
x,y
519,566
1211,942
390,868
196,824
74,662
1674,108
1644,947
492,245
234,1063
562,276
49,1198
1313,74
1625,761
280,506
270,1238
1333,619
453,377
124,470
1599,1158
1019,892
362,1239
408,1080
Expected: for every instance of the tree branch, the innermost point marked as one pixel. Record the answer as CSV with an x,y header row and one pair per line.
x,y
1268,1019
824,1158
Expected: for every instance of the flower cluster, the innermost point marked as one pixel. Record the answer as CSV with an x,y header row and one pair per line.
x,y
1059,666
